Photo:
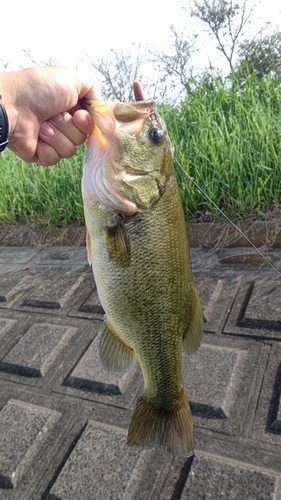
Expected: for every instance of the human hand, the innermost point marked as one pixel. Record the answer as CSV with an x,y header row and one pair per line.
x,y
46,121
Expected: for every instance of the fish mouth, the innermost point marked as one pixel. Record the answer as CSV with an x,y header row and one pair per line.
x,y
138,93
124,112
105,113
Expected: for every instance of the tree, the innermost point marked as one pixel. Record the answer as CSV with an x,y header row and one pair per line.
x,y
28,54
262,54
176,62
5,64
226,21
119,71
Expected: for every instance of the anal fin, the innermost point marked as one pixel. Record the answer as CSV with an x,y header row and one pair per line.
x,y
115,355
192,337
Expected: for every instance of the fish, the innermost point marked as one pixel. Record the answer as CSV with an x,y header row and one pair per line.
x,y
138,247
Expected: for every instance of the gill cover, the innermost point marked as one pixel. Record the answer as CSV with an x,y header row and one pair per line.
x,y
124,167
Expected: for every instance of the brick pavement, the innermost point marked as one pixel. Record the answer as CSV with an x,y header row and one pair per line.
x,y
64,419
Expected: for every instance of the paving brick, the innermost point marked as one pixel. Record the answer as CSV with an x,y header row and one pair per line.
x,y
264,303
215,295
214,478
24,428
274,420
63,255
276,424
89,375
14,280
274,410
220,379
18,255
100,466
210,376
14,324
256,310
72,335
55,287
92,304
37,350
58,437
206,259
267,421
85,303
5,325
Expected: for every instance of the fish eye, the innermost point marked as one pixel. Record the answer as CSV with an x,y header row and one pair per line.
x,y
155,134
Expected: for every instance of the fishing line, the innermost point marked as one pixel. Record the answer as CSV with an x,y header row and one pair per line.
x,y
227,218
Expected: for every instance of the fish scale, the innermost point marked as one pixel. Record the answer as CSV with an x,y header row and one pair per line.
x,y
138,247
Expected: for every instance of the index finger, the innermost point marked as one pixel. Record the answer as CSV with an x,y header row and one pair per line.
x,y
94,93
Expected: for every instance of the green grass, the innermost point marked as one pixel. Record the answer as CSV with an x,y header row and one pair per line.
x,y
228,139
229,142
50,195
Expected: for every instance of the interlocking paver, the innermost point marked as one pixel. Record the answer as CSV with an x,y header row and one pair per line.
x,y
217,479
256,310
64,419
89,374
212,397
37,349
101,465
23,431
54,287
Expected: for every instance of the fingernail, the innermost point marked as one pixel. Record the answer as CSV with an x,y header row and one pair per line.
x,y
84,121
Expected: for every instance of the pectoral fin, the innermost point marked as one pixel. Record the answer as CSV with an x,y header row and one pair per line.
x,y
193,335
117,243
115,354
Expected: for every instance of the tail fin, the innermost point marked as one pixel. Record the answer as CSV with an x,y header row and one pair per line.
x,y
169,429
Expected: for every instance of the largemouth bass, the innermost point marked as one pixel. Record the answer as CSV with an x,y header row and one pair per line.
x,y
138,247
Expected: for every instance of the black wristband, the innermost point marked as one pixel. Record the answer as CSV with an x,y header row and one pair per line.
x,y
4,126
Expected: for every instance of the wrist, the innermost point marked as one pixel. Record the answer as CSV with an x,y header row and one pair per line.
x,y
8,91
4,126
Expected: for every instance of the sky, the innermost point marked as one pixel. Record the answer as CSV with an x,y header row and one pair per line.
x,y
67,31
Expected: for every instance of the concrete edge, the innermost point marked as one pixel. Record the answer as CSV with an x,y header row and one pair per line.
x,y
260,233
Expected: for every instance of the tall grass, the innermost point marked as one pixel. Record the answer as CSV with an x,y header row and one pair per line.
x,y
229,142
29,193
227,137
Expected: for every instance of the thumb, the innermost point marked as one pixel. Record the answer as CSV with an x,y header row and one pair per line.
x,y
83,120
